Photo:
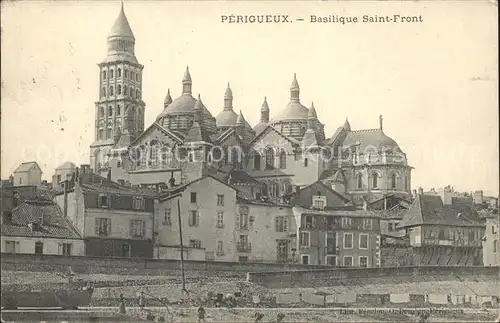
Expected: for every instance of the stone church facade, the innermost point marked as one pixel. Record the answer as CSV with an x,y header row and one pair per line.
x,y
266,162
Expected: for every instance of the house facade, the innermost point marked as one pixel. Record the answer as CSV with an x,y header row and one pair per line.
x,y
28,174
443,234
114,220
491,241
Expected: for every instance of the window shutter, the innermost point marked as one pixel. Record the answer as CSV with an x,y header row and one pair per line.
x,y
285,224
97,226
143,231
98,201
277,222
190,218
131,228
60,249
197,218
108,226
237,220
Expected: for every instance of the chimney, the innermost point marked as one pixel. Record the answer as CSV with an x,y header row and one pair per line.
x,y
109,174
15,199
77,175
297,190
420,191
65,211
381,121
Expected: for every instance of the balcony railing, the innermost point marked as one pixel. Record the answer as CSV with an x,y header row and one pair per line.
x,y
244,247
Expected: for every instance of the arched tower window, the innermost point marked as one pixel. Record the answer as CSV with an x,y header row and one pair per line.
x,y
374,180
137,77
101,112
111,90
108,133
103,91
263,189
283,159
360,181
101,134
119,72
256,162
406,182
306,162
131,91
111,74
125,90
110,111
132,75
137,94
393,181
269,158
103,75
126,73
118,110
119,89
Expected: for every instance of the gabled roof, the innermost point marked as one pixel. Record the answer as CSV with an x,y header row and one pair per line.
x,y
93,183
175,190
163,130
271,128
26,167
430,210
67,165
54,224
197,134
342,197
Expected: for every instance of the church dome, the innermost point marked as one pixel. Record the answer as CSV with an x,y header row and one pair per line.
x,y
366,139
292,111
226,118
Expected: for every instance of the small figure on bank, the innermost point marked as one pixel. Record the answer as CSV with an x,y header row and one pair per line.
x,y
122,305
280,317
201,314
141,301
258,317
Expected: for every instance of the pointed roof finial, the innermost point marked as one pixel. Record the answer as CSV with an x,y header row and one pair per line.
x,y
168,98
229,92
121,27
347,125
265,106
295,83
312,112
187,76
241,119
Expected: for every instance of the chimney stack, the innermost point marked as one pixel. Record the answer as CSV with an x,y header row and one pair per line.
x,y
297,190
381,121
65,198
420,191
15,199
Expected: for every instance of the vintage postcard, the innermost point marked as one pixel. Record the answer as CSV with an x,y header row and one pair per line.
x,y
250,161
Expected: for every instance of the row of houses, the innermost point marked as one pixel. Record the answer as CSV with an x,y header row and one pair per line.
x,y
91,215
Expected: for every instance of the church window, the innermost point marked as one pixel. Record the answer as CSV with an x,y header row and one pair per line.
x,y
393,181
125,90
103,75
101,134
110,111
103,91
119,72
256,162
360,181
111,91
305,162
374,180
118,110
269,158
108,133
119,89
126,74
131,75
137,94
263,189
131,91
101,112
283,159
111,74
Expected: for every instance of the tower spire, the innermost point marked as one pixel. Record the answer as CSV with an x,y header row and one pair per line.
x,y
294,89
264,111
228,98
186,82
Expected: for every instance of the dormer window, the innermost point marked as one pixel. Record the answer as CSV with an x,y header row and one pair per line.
x,y
111,74
103,75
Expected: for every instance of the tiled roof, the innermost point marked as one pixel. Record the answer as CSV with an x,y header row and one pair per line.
x,y
99,184
430,210
369,138
348,213
241,177
54,224
67,165
26,167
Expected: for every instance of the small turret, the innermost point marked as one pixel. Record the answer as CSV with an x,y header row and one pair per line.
x,y
264,111
240,124
381,121
295,90
228,98
168,99
347,125
198,110
186,82
311,117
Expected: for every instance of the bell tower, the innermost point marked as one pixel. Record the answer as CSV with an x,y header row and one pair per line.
x,y
120,102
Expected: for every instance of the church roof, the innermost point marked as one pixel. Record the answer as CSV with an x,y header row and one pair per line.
x,y
292,111
259,127
121,27
26,167
184,104
226,118
370,138
67,165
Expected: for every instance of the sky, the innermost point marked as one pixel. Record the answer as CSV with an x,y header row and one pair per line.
x,y
435,82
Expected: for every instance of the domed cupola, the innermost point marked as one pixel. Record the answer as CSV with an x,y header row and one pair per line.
x,y
166,102
227,117
179,114
292,121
